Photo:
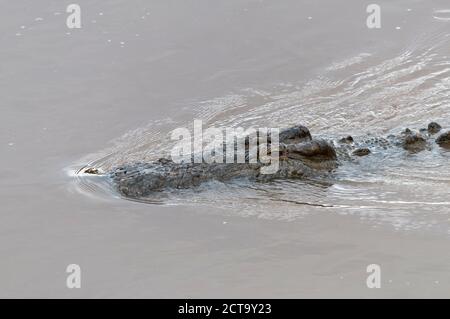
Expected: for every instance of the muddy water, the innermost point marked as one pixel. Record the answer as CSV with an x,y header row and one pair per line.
x,y
112,92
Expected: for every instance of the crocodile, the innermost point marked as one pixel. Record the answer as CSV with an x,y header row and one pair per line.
x,y
300,156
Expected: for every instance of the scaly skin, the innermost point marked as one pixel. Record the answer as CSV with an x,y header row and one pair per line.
x,y
300,156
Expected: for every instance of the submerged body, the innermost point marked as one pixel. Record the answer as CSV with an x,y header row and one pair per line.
x,y
300,156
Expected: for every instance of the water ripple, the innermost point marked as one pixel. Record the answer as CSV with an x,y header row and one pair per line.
x,y
358,95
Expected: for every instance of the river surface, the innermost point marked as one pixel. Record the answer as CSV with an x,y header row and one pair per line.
x,y
113,91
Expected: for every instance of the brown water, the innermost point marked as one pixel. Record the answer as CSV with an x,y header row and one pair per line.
x,y
112,92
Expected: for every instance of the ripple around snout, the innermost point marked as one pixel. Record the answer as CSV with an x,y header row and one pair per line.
x,y
97,187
